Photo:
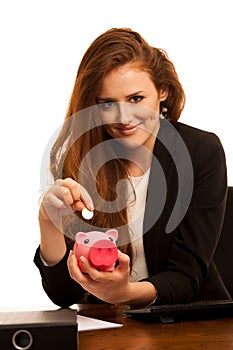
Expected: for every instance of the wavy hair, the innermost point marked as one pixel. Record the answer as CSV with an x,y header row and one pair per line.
x,y
112,49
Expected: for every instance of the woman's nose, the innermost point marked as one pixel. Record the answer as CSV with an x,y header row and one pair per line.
x,y
124,113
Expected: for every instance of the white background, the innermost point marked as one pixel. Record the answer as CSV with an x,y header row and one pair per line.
x,y
41,45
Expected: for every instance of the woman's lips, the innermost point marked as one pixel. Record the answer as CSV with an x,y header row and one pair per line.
x,y
128,130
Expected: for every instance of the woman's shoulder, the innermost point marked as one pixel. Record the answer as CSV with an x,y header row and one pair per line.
x,y
198,138
204,146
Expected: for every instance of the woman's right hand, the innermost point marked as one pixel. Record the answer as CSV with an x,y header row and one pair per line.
x,y
63,198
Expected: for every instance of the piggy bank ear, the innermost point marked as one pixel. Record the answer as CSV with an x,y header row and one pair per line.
x,y
113,233
80,237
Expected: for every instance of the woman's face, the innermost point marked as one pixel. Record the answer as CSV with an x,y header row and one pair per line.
x,y
130,105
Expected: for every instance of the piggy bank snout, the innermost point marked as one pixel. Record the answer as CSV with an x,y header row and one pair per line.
x,y
103,253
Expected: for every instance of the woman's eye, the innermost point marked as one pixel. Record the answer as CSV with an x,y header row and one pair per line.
x,y
136,99
106,105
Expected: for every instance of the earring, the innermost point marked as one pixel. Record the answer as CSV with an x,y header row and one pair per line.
x,y
163,113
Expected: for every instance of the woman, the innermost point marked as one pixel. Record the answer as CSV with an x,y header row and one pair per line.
x,y
123,155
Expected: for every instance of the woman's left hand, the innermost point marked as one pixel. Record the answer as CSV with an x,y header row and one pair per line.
x,y
111,287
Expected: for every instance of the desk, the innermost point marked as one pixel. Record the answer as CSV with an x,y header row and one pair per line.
x,y
189,335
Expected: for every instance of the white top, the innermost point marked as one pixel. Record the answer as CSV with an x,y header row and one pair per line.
x,y
136,209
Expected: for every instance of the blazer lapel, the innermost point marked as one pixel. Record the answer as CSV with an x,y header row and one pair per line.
x,y
161,196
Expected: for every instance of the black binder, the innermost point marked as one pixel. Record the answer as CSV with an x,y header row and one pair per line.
x,y
37,330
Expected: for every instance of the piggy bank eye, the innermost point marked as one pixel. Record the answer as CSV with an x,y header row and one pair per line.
x,y
110,239
86,241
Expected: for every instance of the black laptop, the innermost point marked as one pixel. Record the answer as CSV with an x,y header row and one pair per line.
x,y
199,310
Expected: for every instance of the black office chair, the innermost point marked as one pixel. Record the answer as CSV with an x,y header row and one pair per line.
x,y
224,253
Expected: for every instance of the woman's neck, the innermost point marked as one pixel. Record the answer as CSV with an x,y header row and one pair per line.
x,y
138,168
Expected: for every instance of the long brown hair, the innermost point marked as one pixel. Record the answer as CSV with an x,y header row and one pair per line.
x,y
112,49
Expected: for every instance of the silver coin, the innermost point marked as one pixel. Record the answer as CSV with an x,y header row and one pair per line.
x,y
87,214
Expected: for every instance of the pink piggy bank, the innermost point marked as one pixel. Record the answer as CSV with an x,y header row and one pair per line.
x,y
98,247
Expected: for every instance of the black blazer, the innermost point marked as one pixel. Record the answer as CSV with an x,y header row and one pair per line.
x,y
180,262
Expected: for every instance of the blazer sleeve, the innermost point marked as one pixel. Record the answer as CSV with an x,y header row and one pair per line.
x,y
57,283
198,233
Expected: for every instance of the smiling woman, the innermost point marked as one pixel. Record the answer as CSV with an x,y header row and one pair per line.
x,y
145,159
129,85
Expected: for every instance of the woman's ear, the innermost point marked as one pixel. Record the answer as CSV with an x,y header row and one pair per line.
x,y
163,94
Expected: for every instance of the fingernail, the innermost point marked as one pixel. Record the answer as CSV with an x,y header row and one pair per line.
x,y
72,255
90,206
82,259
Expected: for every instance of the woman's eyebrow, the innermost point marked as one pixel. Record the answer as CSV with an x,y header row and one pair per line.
x,y
136,93
103,99
99,99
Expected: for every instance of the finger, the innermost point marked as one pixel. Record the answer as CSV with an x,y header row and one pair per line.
x,y
86,198
79,193
52,200
68,191
78,206
124,260
62,192
93,273
73,188
74,269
